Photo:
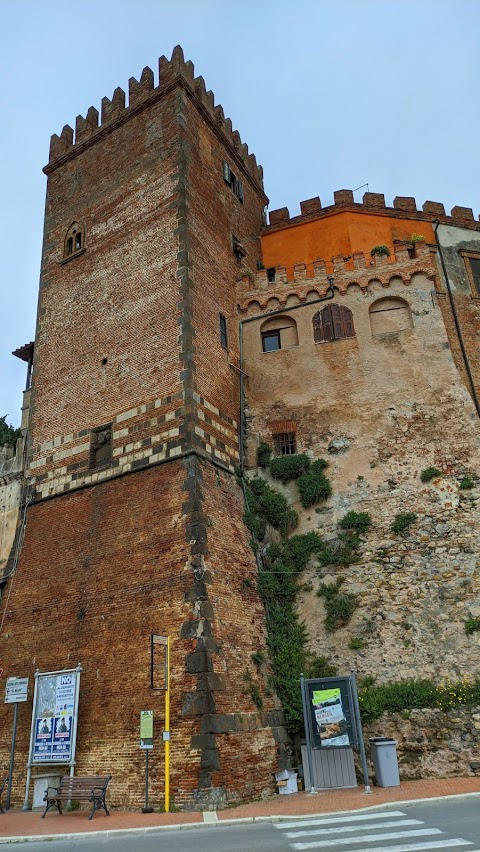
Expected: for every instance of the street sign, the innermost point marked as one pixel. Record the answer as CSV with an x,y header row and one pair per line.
x,y
16,690
146,729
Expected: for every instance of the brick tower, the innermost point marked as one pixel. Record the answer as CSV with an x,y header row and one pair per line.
x,y
135,527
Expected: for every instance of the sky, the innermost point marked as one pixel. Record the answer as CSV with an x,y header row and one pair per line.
x,y
329,94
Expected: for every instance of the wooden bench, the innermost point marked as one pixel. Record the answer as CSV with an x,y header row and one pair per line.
x,y
90,788
2,788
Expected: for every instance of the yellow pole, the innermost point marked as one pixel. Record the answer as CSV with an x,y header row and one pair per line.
x,y
167,731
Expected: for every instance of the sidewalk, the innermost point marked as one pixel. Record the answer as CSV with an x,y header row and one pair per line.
x,y
16,825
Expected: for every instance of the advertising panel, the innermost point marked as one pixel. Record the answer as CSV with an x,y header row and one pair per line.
x,y
54,717
332,713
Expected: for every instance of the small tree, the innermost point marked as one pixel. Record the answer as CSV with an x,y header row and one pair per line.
x,y
8,435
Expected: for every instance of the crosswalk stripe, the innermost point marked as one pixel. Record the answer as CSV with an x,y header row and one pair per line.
x,y
388,835
415,847
337,819
396,823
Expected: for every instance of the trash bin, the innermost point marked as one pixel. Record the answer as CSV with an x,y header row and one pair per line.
x,y
385,763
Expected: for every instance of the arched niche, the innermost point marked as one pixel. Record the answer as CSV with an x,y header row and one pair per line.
x,y
278,332
390,315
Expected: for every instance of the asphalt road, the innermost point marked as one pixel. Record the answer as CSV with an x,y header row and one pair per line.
x,y
446,825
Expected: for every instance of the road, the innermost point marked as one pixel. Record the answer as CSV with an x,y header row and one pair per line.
x,y
443,826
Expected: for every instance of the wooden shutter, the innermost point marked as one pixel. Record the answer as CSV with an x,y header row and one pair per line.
x,y
317,327
327,322
337,322
239,190
226,172
347,322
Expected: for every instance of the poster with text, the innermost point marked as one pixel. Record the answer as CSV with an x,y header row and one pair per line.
x,y
330,717
54,717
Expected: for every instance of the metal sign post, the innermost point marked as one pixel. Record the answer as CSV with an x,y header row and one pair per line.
x,y
146,743
159,644
16,691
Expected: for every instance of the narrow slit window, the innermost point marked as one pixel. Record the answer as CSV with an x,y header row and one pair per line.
x,y
223,331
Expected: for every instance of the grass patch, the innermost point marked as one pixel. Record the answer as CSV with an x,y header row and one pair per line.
x,y
357,521
339,606
466,483
472,625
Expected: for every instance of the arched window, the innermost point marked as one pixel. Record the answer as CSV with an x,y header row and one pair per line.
x,y
390,315
74,240
279,332
333,322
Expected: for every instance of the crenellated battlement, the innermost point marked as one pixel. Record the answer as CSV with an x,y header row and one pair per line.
x,y
302,279
372,202
141,93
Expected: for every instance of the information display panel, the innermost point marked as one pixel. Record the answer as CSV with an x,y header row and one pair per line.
x,y
54,720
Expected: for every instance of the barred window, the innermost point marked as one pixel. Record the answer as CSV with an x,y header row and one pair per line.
x,y
285,443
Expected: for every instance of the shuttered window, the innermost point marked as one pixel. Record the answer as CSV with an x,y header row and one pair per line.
x,y
333,322
233,182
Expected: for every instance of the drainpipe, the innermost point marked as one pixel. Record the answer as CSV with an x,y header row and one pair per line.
x,y
466,362
241,371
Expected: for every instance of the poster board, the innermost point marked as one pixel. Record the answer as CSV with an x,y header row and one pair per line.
x,y
54,717
331,713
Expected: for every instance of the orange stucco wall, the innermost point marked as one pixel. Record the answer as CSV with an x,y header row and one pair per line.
x,y
340,233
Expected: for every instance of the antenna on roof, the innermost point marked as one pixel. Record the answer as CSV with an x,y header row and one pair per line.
x,y
362,186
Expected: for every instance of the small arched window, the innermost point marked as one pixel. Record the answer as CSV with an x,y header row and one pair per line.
x,y
74,240
390,315
279,332
333,322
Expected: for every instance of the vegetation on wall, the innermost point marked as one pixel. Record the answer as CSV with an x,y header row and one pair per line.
x,y
466,483
402,522
312,483
416,695
339,606
381,250
472,625
8,435
271,506
264,453
430,473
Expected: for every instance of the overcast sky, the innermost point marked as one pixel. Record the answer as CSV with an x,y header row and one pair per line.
x,y
329,94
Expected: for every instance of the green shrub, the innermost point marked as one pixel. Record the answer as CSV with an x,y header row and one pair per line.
x,y
355,643
318,666
289,467
466,483
380,250
313,485
415,695
430,473
255,524
358,521
403,521
8,435
299,549
257,658
472,625
271,506
339,607
264,452
342,552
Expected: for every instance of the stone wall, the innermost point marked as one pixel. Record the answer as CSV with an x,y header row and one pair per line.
x,y
11,482
431,743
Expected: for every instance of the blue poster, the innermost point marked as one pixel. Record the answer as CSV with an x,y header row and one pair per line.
x,y
42,748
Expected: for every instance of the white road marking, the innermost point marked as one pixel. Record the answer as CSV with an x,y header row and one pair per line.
x,y
408,847
396,823
388,835
334,820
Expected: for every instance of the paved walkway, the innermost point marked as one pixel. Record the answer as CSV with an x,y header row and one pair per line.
x,y
16,825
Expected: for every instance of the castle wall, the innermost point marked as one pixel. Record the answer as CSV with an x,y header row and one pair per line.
x,y
11,482
103,568
380,407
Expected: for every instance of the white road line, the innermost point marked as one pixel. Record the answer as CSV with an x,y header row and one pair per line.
x,y
334,820
414,847
396,823
389,835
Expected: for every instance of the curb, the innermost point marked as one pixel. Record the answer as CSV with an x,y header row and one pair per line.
x,y
213,822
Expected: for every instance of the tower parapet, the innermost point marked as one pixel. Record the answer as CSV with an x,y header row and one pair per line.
x,y
141,93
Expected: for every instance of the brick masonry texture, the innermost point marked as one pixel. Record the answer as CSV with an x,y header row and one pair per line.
x,y
128,336
110,565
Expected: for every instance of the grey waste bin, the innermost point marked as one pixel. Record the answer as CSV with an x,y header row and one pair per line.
x,y
385,763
